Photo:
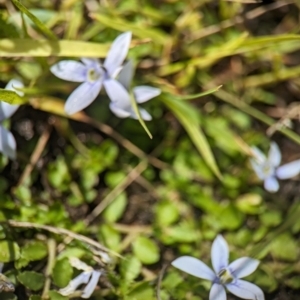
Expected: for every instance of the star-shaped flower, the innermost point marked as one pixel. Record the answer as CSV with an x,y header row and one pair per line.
x,y
89,276
224,274
268,169
93,74
7,140
121,105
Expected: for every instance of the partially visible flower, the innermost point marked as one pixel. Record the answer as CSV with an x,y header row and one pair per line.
x,y
5,284
89,276
7,140
121,105
224,274
93,74
268,169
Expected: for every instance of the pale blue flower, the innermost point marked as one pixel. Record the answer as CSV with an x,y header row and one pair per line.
x,y
121,105
93,74
7,140
268,169
89,277
224,274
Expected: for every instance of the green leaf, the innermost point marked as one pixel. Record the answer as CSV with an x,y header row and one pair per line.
x,y
120,24
9,251
11,97
146,250
32,280
62,272
166,213
116,209
56,296
140,119
34,251
45,30
141,291
189,118
43,48
285,247
195,96
130,268
35,297
230,217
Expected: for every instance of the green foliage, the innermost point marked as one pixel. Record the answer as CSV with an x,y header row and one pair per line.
x,y
32,280
9,251
92,178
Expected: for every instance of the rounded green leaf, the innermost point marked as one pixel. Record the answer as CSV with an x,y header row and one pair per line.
x,y
32,280
146,250
116,209
56,296
9,251
130,268
62,272
34,251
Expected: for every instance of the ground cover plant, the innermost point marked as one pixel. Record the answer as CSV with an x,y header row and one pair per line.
x,y
149,150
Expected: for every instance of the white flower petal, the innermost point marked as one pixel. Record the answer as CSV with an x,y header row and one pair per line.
x,y
217,292
194,266
117,93
288,170
70,70
117,53
219,254
7,143
144,93
119,111
82,96
15,83
245,290
274,156
126,75
258,155
271,184
82,278
258,169
243,267
89,289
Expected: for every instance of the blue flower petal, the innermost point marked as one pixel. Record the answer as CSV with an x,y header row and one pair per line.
x,y
70,70
219,254
288,170
126,75
89,289
7,143
194,266
82,96
274,156
271,184
243,267
117,93
6,109
217,292
117,54
245,290
119,111
144,93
